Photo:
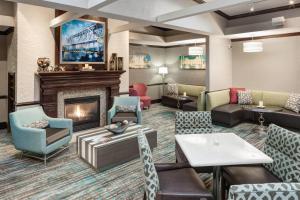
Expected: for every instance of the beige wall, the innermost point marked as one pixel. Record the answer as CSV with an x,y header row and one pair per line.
x,y
220,63
34,39
277,68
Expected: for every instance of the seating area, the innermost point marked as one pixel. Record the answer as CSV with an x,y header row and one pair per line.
x,y
150,100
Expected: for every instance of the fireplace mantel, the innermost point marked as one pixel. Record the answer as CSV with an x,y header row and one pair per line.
x,y
53,82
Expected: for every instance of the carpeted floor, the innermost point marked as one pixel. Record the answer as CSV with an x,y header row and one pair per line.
x,y
68,177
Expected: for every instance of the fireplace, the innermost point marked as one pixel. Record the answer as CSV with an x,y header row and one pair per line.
x,y
84,111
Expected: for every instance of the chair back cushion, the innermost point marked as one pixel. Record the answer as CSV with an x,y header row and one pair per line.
x,y
151,177
191,90
127,101
140,88
27,116
283,146
193,122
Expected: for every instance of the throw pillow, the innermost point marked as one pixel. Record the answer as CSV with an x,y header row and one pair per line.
x,y
234,94
245,97
38,124
126,108
293,103
172,89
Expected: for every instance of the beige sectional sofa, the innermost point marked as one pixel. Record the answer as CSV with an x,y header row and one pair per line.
x,y
223,112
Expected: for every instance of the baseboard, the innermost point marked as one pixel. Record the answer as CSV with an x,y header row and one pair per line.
x,y
3,125
155,101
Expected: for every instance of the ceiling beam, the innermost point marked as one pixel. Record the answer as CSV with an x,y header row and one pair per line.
x,y
7,21
68,16
97,4
199,9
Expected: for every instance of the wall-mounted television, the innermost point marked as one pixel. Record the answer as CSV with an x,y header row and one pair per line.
x,y
82,41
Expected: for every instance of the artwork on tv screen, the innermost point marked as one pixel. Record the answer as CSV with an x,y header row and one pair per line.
x,y
82,41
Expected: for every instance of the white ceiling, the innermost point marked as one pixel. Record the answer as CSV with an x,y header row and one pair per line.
x,y
258,5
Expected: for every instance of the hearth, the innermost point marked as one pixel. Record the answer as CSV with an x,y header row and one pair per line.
x,y
84,111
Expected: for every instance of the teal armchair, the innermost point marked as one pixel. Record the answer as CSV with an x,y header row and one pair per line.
x,y
35,140
125,101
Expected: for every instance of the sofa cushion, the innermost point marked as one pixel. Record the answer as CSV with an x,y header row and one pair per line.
x,y
192,106
129,116
125,108
191,90
229,114
43,123
234,94
55,134
245,97
218,98
275,98
248,174
257,95
293,103
172,89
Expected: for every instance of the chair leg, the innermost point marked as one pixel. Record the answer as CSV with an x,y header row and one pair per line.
x,y
45,160
145,197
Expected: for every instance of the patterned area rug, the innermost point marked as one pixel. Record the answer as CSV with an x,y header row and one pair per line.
x,y
68,177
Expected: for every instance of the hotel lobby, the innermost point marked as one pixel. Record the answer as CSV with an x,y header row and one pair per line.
x,y
150,100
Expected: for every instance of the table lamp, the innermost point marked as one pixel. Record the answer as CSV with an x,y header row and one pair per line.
x,y
163,71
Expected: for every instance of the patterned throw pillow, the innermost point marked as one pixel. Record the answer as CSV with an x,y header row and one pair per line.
x,y
293,103
125,108
172,89
245,97
38,124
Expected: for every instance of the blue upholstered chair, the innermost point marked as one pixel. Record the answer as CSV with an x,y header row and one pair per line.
x,y
114,116
39,141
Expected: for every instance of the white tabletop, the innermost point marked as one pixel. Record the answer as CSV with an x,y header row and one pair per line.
x,y
219,149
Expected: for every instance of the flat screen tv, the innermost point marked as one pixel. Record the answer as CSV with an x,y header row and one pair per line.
x,y
82,41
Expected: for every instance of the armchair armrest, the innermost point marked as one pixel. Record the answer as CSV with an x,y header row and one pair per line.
x,y
61,123
201,102
111,113
170,166
266,190
29,139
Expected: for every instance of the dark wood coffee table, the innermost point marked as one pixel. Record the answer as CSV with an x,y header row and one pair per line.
x,y
103,150
175,101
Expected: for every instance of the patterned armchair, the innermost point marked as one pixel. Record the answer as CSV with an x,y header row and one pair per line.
x,y
193,122
283,147
169,181
274,191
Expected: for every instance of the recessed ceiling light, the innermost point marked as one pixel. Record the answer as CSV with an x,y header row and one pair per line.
x,y
252,9
291,2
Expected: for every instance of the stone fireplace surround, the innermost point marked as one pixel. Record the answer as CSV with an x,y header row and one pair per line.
x,y
57,86
62,95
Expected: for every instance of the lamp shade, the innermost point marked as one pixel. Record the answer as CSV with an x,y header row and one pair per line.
x,y
196,51
250,47
163,70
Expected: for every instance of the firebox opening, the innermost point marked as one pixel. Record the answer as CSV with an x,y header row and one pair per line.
x,y
84,111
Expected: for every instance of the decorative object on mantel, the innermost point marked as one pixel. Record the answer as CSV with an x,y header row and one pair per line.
x,y
87,67
139,61
43,64
193,62
113,62
119,127
120,63
82,41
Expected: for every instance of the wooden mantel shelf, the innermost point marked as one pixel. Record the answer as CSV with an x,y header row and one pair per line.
x,y
53,82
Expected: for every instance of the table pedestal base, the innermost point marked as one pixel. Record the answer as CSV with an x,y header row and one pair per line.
x,y
216,183
259,129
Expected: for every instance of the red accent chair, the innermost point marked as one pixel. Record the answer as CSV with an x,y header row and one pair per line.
x,y
140,89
